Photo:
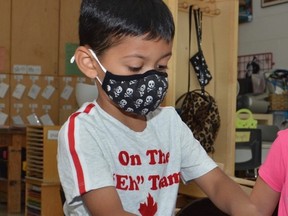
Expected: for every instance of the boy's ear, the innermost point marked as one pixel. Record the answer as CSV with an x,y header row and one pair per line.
x,y
85,62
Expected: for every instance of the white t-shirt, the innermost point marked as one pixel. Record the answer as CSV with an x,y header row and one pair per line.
x,y
96,150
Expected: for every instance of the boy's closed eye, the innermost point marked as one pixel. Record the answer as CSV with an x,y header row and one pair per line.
x,y
162,68
135,69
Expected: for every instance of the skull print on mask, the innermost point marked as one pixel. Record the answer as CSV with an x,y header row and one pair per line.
x,y
139,93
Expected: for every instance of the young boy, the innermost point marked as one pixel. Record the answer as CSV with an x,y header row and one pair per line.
x,y
122,154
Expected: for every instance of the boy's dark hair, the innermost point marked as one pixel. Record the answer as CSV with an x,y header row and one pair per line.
x,y
102,23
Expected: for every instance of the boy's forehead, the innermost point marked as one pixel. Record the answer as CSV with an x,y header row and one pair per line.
x,y
142,41
144,37
142,45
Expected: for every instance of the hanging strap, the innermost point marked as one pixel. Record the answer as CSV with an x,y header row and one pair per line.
x,y
189,47
198,27
199,35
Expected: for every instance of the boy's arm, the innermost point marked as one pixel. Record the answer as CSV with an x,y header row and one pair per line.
x,y
226,194
264,197
104,201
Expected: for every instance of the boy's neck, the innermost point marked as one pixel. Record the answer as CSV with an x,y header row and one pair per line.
x,y
136,123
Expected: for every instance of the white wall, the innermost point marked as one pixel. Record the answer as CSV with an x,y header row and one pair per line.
x,y
268,32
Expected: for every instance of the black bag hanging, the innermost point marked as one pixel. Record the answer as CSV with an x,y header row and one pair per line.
x,y
198,60
199,110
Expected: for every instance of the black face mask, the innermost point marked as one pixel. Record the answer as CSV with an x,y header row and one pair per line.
x,y
139,94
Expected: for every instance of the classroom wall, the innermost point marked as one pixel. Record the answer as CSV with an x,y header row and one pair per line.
x,y
37,80
219,42
267,32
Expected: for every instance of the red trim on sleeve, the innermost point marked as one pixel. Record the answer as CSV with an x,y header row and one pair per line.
x,y
72,148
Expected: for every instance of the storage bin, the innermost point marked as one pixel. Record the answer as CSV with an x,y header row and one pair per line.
x,y
278,101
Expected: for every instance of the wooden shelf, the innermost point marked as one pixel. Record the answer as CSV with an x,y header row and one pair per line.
x,y
14,140
266,119
42,180
42,198
41,153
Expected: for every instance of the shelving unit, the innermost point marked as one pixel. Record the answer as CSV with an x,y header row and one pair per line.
x,y
13,140
42,198
41,153
266,119
42,180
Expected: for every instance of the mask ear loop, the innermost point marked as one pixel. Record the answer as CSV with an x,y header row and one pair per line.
x,y
102,67
95,57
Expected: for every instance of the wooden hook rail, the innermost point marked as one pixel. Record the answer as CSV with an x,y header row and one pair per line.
x,y
208,7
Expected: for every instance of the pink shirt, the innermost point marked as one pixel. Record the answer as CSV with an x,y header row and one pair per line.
x,y
274,170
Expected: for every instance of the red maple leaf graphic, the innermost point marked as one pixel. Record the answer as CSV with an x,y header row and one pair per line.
x,y
149,208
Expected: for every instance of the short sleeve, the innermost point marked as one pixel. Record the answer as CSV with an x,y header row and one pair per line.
x,y
82,165
273,170
195,160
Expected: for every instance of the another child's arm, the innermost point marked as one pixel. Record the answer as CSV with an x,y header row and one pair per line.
x,y
104,201
226,194
264,197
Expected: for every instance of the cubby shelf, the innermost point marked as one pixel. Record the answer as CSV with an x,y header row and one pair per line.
x,y
42,180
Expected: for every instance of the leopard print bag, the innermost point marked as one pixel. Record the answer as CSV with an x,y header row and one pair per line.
x,y
200,113
198,109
